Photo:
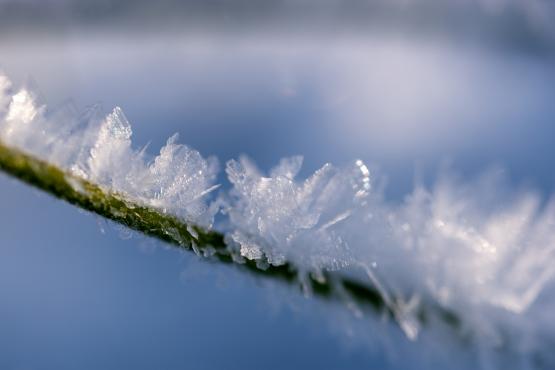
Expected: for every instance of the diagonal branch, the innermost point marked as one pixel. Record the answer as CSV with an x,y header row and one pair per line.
x,y
180,234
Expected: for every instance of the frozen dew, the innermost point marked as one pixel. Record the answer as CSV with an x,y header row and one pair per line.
x,y
282,219
480,252
22,109
475,248
99,148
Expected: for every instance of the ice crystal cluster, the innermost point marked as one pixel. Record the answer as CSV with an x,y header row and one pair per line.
x,y
98,148
472,247
479,249
281,219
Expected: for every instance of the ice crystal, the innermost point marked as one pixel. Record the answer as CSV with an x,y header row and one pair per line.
x,y
470,247
483,252
99,149
284,220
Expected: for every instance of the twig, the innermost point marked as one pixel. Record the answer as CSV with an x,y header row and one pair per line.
x,y
211,244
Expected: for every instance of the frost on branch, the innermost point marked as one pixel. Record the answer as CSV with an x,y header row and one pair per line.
x,y
474,248
286,220
99,149
479,250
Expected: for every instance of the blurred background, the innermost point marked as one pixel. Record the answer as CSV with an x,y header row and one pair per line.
x,y
405,85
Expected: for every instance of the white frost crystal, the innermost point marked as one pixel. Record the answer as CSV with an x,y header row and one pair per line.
x,y
99,149
286,220
474,248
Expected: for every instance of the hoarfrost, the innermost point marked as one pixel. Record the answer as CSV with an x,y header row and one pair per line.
x,y
481,252
476,248
291,221
99,149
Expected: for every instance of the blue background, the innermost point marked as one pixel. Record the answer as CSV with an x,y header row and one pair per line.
x,y
76,293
